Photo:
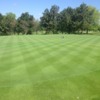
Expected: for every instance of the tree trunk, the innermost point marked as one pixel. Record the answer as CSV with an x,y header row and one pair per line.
x,y
87,31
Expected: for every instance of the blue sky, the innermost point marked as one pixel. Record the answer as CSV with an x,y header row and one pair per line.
x,y
36,7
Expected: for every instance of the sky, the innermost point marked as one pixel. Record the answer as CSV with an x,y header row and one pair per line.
x,y
36,7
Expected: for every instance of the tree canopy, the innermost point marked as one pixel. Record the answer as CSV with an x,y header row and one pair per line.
x,y
69,20
81,19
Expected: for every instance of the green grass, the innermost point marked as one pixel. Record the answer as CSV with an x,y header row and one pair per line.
x,y
49,67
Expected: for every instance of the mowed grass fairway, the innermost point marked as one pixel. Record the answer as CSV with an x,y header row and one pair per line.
x,y
50,67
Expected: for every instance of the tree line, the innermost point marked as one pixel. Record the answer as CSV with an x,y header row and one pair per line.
x,y
25,24
70,20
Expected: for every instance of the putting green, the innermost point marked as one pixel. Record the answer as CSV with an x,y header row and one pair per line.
x,y
50,67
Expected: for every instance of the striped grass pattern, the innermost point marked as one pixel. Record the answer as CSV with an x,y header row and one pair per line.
x,y
50,67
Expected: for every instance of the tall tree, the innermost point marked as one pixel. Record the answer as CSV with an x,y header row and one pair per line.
x,y
36,26
25,23
65,20
87,17
49,19
10,19
45,20
8,23
94,19
1,27
53,15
